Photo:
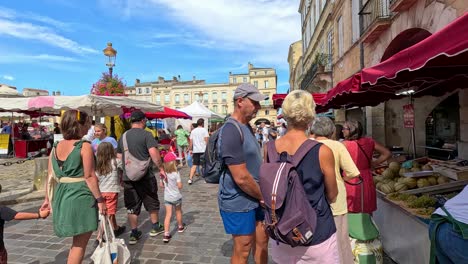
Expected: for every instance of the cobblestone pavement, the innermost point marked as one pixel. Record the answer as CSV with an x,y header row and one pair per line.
x,y
204,241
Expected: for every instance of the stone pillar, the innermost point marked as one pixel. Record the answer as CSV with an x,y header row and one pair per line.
x,y
375,123
340,116
40,172
463,143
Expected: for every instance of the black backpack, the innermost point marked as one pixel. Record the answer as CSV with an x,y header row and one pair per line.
x,y
213,165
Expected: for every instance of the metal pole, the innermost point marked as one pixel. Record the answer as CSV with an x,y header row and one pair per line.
x,y
413,136
112,120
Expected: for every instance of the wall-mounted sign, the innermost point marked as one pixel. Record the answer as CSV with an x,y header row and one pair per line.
x,y
408,115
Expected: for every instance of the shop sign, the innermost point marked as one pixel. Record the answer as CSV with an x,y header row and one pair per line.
x,y
408,115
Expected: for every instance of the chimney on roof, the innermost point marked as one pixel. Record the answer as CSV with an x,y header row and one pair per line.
x,y
57,93
160,79
174,78
53,93
250,65
137,81
194,79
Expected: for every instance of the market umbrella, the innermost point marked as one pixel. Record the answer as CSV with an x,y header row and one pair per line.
x,y
167,113
91,104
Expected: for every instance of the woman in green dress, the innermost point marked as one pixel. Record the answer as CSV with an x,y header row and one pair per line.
x,y
76,197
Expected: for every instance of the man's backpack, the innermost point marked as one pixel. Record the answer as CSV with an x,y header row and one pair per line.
x,y
213,165
135,169
289,217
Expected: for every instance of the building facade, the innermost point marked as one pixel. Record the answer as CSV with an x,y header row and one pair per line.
x,y
177,94
361,33
295,64
31,92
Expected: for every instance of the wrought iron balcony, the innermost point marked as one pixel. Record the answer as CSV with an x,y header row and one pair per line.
x,y
375,18
401,5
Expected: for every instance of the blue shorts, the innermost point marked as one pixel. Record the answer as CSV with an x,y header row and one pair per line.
x,y
242,223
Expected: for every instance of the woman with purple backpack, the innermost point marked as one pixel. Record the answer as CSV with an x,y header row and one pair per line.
x,y
317,173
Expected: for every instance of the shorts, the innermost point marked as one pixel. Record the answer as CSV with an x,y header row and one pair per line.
x,y
196,157
144,191
242,223
173,203
111,199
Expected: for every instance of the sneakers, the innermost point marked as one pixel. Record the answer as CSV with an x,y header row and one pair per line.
x,y
189,181
157,229
120,230
182,228
167,238
134,237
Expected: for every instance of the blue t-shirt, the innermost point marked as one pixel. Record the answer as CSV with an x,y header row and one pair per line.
x,y
234,152
97,141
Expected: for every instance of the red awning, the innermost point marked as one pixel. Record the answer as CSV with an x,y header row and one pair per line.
x,y
440,56
167,113
319,100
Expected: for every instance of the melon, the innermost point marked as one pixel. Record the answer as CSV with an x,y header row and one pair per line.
x,y
423,182
442,180
387,174
386,188
394,166
415,164
377,179
426,167
378,185
415,169
410,182
399,187
432,180
403,171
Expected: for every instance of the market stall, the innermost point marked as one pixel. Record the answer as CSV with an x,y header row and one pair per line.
x,y
54,105
408,194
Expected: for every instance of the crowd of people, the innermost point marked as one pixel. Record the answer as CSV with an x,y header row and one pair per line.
x,y
90,176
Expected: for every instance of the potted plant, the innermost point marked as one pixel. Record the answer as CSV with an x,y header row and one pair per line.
x,y
321,59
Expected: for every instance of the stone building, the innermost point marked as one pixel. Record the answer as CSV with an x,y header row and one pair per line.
x,y
177,94
31,92
357,34
295,65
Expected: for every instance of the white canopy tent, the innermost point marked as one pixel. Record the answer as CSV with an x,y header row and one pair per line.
x,y
91,104
197,110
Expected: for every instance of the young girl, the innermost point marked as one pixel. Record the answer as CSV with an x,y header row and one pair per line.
x,y
107,167
172,195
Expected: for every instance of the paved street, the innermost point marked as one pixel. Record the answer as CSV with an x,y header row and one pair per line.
x,y
204,241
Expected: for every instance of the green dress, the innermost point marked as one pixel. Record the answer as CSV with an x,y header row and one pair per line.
x,y
74,207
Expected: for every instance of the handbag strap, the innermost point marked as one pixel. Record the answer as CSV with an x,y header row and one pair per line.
x,y
365,154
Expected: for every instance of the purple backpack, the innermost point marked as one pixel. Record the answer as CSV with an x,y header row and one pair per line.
x,y
289,217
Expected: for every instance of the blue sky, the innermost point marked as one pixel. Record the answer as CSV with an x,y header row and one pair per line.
x,y
57,44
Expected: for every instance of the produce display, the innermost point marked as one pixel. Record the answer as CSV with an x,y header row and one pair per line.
x,y
391,179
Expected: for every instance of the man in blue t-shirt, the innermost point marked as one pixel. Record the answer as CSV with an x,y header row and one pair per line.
x,y
239,193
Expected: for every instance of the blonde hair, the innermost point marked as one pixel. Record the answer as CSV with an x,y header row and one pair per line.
x,y
299,109
170,166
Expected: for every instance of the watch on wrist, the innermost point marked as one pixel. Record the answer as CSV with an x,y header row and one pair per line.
x,y
100,199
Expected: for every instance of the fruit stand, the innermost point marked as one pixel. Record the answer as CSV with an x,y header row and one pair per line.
x,y
407,194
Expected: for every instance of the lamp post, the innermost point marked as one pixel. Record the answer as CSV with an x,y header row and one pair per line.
x,y
111,55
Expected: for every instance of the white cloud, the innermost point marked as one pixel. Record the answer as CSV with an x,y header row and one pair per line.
x,y
13,24
261,29
43,34
8,77
8,58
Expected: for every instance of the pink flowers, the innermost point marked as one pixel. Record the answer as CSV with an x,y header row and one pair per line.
x,y
109,86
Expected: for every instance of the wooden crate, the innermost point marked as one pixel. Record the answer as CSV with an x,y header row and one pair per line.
x,y
451,170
